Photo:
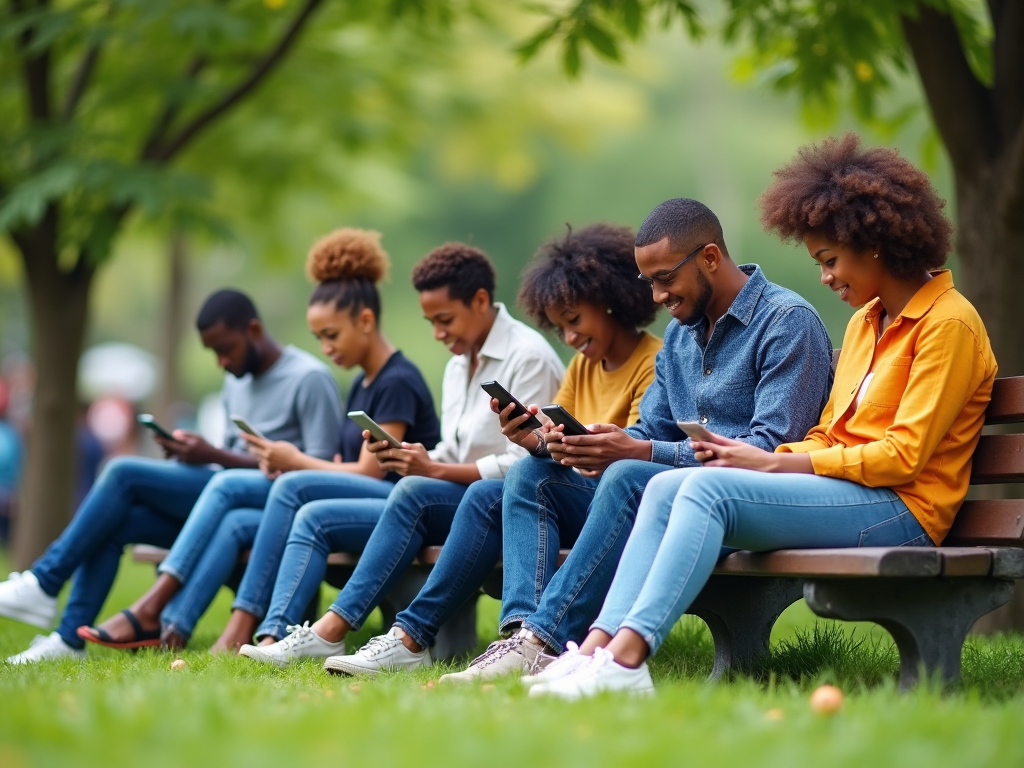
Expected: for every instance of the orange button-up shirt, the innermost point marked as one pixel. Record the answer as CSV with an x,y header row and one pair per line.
x,y
921,416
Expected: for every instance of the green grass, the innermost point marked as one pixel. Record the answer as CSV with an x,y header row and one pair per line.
x,y
123,709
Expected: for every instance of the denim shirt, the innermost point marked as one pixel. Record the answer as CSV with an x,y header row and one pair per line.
x,y
763,377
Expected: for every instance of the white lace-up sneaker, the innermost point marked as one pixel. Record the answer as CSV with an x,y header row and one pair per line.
x,y
384,653
600,673
300,643
47,648
564,665
503,657
22,599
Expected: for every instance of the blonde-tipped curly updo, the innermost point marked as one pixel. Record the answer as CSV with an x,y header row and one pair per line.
x,y
347,265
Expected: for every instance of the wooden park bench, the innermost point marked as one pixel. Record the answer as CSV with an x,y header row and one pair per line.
x,y
927,598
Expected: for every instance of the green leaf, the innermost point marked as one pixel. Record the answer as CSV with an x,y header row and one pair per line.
x,y
602,42
25,204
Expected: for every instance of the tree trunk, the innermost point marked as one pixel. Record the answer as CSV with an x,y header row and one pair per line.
x,y
170,340
990,240
59,305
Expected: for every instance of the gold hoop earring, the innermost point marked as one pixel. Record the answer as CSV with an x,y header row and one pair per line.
x,y
876,255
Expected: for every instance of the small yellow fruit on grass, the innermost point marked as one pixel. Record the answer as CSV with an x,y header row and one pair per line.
x,y
178,664
774,714
827,700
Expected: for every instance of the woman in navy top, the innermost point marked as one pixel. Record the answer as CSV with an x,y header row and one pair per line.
x,y
344,314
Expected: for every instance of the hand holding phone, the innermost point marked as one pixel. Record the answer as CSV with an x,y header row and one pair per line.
x,y
505,399
694,430
563,418
363,420
149,422
246,427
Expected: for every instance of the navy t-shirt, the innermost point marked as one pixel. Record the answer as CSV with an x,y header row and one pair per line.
x,y
397,394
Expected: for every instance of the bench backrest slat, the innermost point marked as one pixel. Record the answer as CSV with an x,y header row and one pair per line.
x,y
1007,406
998,459
988,522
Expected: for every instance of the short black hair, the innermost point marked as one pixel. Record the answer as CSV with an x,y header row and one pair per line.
x,y
686,223
594,265
461,268
228,306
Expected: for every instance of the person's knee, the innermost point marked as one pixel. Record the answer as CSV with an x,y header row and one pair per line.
x,y
287,485
122,468
408,495
482,498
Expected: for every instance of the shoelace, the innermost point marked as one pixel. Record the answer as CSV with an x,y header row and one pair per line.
x,y
594,663
378,645
296,636
572,650
496,650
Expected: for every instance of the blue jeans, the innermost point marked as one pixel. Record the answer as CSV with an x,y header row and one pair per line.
x,y
230,489
470,553
418,513
266,532
134,501
687,515
544,505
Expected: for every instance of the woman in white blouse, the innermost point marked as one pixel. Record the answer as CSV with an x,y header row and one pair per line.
x,y
456,287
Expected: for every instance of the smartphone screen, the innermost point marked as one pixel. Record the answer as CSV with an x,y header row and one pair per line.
x,y
150,423
505,398
562,417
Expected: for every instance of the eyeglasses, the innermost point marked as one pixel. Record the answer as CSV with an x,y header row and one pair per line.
x,y
666,278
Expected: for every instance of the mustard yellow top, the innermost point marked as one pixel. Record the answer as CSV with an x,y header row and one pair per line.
x,y
596,396
921,415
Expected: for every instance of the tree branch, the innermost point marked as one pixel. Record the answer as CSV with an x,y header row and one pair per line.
x,y
170,112
961,106
165,151
36,70
1008,60
85,69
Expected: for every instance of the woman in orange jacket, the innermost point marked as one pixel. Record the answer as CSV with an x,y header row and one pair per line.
x,y
890,460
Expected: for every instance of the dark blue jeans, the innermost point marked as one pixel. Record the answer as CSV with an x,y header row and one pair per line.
x,y
547,507
134,501
266,531
470,553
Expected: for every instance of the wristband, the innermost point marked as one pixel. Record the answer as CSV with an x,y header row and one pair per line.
x,y
541,451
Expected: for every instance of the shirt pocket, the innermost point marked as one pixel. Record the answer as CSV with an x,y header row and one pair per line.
x,y
889,382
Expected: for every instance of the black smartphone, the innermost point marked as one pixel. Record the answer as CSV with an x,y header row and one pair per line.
x,y
147,420
562,417
504,398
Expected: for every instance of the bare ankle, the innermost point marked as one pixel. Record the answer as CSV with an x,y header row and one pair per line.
x,y
407,640
331,627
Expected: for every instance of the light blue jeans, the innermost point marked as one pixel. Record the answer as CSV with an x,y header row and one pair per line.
x,y
687,515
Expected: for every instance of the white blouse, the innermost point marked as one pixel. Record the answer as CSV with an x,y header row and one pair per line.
x,y
522,361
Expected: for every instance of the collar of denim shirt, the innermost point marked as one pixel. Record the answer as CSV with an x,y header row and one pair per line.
x,y
742,307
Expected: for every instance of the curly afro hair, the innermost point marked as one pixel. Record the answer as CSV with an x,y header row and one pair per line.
x,y
594,265
347,265
861,198
461,268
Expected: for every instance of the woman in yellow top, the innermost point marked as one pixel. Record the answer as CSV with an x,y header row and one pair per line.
x,y
890,461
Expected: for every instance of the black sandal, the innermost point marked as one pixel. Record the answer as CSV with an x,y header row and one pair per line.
x,y
144,638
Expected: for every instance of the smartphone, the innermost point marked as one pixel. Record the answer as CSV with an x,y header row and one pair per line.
x,y
375,429
562,417
694,431
504,398
147,420
245,426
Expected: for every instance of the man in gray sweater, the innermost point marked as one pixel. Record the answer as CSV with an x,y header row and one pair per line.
x,y
285,393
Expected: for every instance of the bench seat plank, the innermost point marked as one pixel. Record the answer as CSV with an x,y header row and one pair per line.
x,y
863,561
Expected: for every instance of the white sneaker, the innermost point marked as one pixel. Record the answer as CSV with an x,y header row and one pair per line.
x,y
300,643
22,599
47,648
384,653
502,657
564,665
600,673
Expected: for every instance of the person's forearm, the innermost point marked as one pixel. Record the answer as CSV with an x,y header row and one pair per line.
x,y
455,473
792,463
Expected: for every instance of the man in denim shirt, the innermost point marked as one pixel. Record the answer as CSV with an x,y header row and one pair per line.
x,y
746,358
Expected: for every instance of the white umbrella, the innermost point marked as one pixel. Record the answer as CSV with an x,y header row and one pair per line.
x,y
117,369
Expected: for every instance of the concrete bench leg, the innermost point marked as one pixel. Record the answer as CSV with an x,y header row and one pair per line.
x,y
456,638
740,612
928,618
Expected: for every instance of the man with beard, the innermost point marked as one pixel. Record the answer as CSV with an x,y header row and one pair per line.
x,y
746,358
284,393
